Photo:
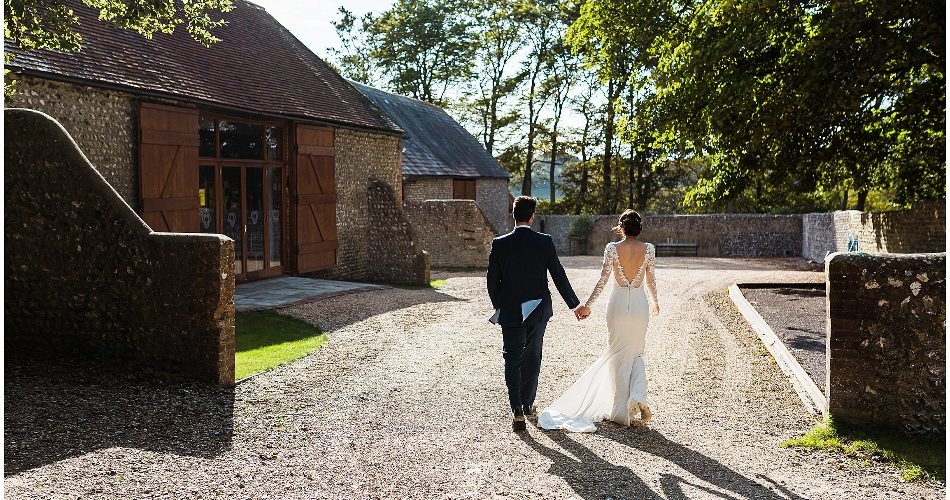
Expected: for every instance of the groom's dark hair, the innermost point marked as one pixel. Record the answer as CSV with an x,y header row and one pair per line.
x,y
523,208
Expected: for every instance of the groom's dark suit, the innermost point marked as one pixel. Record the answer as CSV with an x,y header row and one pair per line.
x,y
518,268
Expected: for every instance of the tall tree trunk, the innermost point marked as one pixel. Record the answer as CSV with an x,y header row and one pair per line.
x,y
584,172
844,200
862,198
553,160
634,183
641,185
608,198
529,154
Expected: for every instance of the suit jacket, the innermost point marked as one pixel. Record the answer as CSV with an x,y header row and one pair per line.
x,y
518,267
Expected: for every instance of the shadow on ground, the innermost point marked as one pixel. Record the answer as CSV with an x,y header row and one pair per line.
x,y
57,408
590,476
329,315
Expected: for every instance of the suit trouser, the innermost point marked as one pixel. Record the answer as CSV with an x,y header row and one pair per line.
x,y
522,353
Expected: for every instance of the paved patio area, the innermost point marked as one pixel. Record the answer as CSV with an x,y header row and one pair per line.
x,y
286,291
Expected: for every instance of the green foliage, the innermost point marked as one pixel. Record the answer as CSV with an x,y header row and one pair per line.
x,y
918,458
581,226
51,24
422,47
265,339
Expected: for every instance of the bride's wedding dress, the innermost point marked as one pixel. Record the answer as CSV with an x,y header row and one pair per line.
x,y
615,386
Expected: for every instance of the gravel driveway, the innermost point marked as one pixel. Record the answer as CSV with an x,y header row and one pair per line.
x,y
407,400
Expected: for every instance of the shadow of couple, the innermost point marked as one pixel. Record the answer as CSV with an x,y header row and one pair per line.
x,y
591,476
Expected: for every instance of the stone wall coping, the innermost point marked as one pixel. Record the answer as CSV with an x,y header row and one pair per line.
x,y
84,166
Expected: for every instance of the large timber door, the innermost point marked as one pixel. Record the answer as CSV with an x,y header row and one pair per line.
x,y
168,168
315,199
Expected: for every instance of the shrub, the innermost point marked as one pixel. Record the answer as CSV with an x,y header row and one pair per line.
x,y
580,227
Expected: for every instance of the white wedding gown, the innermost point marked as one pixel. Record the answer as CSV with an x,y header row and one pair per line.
x,y
614,386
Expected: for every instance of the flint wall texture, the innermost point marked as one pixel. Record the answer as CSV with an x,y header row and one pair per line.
x,y
83,272
887,340
102,122
717,235
558,225
427,188
363,161
921,229
491,195
455,233
393,244
492,198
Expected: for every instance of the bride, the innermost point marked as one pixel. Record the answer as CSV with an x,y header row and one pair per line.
x,y
615,386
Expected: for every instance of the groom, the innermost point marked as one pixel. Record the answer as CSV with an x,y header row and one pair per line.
x,y
518,266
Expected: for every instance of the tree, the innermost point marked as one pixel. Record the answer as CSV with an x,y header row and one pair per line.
x,y
423,47
50,24
499,40
353,60
562,71
615,37
541,18
826,94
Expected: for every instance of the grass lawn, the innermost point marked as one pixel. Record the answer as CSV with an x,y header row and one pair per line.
x,y
917,458
432,284
266,339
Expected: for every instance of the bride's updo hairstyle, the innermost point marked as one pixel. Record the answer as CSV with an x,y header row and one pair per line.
x,y
630,223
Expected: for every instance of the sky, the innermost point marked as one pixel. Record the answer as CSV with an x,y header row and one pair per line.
x,y
309,20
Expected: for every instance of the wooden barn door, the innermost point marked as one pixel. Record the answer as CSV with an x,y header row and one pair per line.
x,y
315,199
168,168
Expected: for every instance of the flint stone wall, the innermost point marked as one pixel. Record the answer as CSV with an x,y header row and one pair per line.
x,y
717,235
455,233
102,122
393,244
492,198
364,161
83,272
887,340
415,188
921,229
557,226
491,195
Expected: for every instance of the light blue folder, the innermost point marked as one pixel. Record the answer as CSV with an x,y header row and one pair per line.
x,y
526,309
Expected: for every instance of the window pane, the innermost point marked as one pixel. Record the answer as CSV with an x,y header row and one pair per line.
x,y
275,208
206,136
274,145
206,198
233,225
241,140
255,219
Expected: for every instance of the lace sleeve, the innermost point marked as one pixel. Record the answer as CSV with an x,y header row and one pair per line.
x,y
609,254
650,276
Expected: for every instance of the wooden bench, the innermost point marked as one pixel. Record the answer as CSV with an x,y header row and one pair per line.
x,y
677,249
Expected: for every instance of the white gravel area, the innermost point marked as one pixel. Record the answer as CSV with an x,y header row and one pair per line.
x,y
407,400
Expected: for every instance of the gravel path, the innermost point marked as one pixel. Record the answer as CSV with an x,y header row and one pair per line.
x,y
798,317
407,400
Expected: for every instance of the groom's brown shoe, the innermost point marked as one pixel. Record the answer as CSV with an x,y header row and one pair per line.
x,y
518,423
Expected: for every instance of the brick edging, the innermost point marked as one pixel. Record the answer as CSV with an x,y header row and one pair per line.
x,y
811,396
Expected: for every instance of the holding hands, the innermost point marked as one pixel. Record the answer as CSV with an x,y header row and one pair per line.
x,y
582,312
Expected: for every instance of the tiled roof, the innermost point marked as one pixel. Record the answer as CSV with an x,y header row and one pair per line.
x,y
258,66
436,144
